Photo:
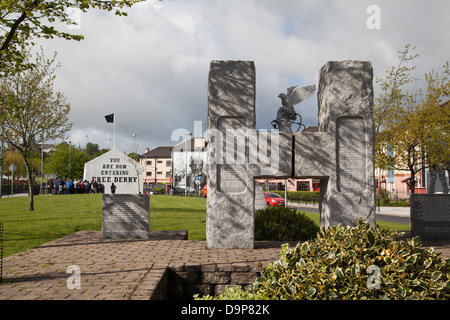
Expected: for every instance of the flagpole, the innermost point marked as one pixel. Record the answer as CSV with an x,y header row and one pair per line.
x,y
114,132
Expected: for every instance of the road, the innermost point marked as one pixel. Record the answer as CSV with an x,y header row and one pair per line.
x,y
387,214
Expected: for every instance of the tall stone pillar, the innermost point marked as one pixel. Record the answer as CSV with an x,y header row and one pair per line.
x,y
231,113
345,100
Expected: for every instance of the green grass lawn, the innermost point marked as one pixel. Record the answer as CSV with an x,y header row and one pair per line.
x,y
383,224
57,216
53,217
179,213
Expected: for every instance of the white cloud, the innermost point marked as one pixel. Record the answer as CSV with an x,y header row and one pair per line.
x,y
151,68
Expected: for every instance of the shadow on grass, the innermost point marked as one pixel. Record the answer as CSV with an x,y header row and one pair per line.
x,y
177,210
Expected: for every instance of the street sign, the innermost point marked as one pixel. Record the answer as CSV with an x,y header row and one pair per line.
x,y
12,167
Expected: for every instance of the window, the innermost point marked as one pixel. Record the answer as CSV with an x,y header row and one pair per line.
x,y
149,174
159,173
168,174
149,162
302,186
168,163
159,161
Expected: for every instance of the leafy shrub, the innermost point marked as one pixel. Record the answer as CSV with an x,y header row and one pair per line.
x,y
383,196
311,196
354,263
159,190
283,224
233,292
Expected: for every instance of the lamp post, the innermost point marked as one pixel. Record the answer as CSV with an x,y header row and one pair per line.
x,y
42,166
1,169
185,177
70,144
134,146
12,168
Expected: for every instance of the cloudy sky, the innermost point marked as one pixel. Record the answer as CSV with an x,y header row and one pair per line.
x,y
151,68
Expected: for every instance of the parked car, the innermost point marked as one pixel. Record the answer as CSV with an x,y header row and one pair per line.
x,y
273,199
149,191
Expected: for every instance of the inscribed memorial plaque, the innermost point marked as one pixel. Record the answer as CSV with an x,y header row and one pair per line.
x,y
126,216
430,216
351,154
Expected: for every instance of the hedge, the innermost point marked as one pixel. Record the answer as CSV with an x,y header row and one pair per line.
x,y
311,196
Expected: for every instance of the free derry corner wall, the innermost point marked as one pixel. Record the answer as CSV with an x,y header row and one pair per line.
x,y
115,167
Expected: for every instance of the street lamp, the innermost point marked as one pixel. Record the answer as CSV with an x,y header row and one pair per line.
x,y
134,147
185,177
42,165
70,143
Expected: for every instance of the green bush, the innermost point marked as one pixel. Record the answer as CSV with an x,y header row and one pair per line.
x,y
159,190
283,224
383,196
350,263
233,292
310,196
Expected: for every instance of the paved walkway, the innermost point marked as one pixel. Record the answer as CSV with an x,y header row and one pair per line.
x,y
119,269
114,269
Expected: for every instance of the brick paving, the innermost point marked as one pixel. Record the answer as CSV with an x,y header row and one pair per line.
x,y
114,269
122,269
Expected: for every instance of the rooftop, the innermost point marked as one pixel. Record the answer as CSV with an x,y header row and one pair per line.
x,y
159,152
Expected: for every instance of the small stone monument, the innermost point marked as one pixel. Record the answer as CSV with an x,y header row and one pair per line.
x,y
126,216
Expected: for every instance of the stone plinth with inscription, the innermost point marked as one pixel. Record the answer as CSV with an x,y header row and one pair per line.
x,y
430,216
126,216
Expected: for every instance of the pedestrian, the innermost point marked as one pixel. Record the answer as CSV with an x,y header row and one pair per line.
x,y
58,185
87,186
50,185
69,186
113,188
94,185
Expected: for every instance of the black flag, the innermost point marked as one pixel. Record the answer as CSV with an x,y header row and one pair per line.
x,y
110,118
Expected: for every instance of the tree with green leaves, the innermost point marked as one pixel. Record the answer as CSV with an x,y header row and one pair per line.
x,y
412,134
22,21
66,161
32,110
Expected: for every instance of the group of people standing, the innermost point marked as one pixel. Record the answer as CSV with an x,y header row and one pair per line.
x,y
71,186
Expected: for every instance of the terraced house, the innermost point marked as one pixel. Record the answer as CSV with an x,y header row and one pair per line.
x,y
157,165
